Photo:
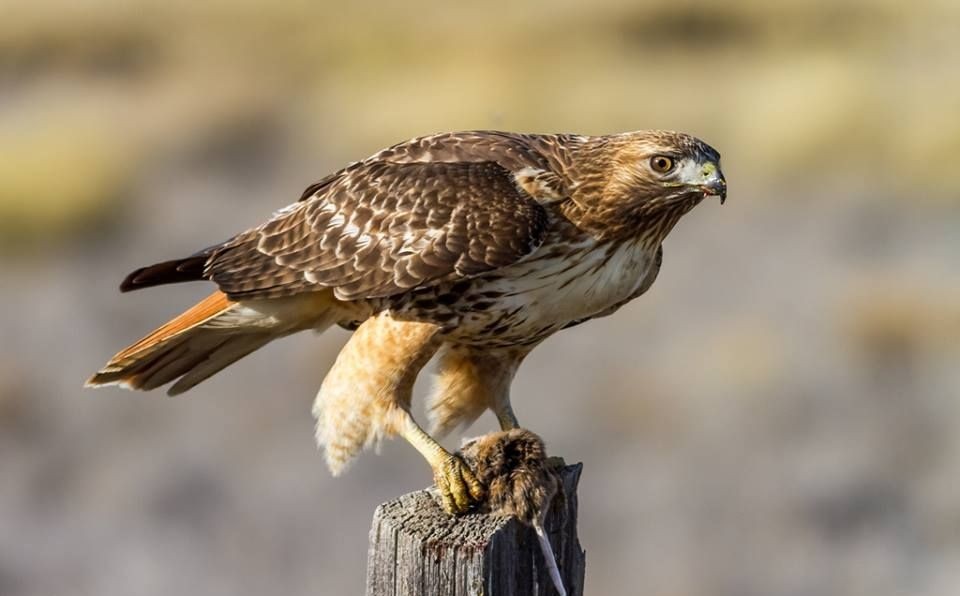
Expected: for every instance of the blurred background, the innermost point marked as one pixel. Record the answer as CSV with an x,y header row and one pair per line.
x,y
778,416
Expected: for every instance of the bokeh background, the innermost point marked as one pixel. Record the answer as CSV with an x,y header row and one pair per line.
x,y
779,416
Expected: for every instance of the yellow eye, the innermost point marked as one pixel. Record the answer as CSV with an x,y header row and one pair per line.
x,y
661,164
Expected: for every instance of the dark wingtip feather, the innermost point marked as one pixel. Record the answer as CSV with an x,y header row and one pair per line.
x,y
167,272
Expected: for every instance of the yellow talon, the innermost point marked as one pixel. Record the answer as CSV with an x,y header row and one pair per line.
x,y
459,488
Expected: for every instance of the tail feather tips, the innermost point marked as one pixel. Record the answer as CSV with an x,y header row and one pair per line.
x,y
191,348
167,272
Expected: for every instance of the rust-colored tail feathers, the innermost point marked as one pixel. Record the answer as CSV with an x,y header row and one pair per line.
x,y
191,347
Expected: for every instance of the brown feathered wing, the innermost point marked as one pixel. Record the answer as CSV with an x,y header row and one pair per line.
x,y
377,229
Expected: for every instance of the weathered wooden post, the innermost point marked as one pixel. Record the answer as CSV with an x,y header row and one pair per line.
x,y
418,550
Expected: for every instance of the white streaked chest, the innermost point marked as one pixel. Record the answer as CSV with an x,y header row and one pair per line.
x,y
553,288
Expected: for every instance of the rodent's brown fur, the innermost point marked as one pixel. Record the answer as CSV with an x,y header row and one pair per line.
x,y
512,466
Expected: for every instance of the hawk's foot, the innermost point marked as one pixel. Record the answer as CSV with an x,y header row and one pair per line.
x,y
459,488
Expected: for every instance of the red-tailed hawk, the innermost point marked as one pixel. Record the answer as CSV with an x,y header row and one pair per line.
x,y
478,245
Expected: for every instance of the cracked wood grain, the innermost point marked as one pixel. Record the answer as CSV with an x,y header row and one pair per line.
x,y
418,550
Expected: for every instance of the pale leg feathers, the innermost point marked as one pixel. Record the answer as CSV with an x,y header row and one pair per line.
x,y
470,380
366,395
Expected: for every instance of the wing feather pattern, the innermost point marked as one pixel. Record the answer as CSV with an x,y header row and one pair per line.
x,y
434,208
383,228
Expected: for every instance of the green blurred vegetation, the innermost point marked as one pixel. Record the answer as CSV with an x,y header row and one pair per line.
x,y
57,180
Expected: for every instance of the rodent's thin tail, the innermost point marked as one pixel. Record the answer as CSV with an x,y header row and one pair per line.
x,y
549,557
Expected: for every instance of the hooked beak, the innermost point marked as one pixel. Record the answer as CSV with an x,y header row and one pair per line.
x,y
713,183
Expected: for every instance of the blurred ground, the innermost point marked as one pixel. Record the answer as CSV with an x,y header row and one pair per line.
x,y
778,416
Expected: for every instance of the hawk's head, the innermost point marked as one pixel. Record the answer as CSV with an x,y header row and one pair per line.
x,y
653,169
641,183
